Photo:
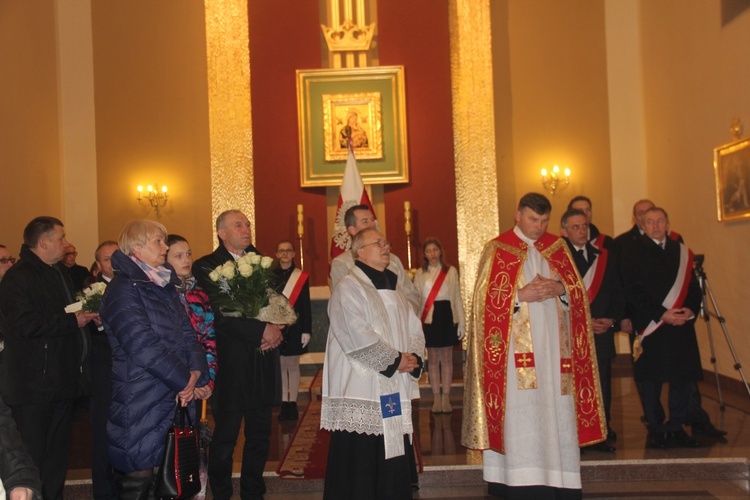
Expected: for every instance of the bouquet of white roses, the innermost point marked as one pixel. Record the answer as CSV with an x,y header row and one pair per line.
x,y
246,292
91,297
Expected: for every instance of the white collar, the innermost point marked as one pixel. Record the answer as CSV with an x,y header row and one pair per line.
x,y
523,237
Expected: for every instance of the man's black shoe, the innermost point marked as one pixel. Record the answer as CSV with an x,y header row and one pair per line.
x,y
657,440
611,435
709,430
603,446
681,438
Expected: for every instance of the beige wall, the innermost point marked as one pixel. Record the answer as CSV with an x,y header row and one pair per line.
x,y
152,115
30,182
558,80
696,79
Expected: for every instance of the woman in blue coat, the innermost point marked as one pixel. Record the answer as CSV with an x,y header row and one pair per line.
x,y
156,357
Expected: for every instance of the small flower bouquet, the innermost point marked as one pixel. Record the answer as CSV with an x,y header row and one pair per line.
x,y
246,291
91,297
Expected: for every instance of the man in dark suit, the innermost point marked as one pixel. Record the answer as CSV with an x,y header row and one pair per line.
x,y
665,298
46,361
246,379
596,238
77,272
606,300
624,243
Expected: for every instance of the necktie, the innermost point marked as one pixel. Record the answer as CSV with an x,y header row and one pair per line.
x,y
582,255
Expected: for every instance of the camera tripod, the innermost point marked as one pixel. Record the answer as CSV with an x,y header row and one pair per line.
x,y
707,294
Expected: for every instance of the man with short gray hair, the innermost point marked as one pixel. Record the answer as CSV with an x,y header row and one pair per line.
x,y
372,365
245,386
357,218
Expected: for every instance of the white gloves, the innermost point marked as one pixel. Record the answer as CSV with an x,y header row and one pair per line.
x,y
305,339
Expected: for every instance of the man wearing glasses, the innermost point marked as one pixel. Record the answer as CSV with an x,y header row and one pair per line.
x,y
356,219
6,260
77,273
372,365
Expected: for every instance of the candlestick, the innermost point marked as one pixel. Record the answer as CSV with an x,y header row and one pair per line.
x,y
407,228
300,233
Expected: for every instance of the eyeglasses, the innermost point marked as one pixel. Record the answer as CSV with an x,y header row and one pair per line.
x,y
380,243
5,260
288,250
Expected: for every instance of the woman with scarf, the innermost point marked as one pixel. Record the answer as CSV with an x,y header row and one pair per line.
x,y
196,303
156,358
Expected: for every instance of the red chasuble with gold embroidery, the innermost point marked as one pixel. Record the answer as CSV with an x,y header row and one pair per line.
x,y
579,373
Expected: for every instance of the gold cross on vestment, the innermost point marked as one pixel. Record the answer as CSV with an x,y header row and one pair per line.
x,y
524,360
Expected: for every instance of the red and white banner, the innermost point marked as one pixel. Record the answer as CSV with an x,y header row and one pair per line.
x,y
352,193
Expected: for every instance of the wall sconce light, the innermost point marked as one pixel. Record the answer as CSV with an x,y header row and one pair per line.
x,y
155,198
553,181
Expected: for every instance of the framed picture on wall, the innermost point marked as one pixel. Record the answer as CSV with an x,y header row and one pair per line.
x,y
366,104
732,171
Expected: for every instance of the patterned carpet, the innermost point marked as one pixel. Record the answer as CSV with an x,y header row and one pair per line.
x,y
306,456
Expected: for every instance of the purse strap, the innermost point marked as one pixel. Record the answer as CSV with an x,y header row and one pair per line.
x,y
181,412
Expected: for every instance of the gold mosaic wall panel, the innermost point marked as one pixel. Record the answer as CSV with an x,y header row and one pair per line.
x,y
473,134
228,61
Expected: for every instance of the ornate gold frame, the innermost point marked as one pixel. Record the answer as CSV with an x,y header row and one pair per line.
x,y
366,111
732,172
378,92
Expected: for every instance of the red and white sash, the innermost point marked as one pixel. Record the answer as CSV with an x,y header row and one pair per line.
x,y
294,285
595,274
678,292
433,293
598,242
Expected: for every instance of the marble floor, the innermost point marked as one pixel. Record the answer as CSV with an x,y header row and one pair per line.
x,y
451,471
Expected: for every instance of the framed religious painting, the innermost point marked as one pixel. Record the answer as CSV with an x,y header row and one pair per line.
x,y
364,107
732,172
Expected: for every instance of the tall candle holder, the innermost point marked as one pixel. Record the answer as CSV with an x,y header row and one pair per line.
x,y
300,234
407,228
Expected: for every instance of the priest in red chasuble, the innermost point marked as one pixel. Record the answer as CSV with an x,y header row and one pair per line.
x,y
532,394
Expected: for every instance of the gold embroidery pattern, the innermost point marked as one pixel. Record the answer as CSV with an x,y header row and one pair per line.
x,y
589,411
495,345
567,383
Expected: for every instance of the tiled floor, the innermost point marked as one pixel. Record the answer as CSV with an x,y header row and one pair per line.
x,y
439,441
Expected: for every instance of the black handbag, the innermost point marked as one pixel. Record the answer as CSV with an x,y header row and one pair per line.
x,y
179,474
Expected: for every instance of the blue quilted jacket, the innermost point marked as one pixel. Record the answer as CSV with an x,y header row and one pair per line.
x,y
154,348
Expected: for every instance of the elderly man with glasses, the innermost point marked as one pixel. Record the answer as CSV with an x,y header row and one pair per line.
x,y
370,375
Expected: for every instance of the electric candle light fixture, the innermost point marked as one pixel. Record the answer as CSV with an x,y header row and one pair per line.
x,y
155,198
553,181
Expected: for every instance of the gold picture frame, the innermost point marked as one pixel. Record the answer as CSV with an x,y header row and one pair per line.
x,y
374,98
732,172
358,116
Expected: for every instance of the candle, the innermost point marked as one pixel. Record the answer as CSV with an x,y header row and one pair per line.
x,y
407,217
300,221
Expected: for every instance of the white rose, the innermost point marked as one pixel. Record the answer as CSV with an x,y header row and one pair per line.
x,y
255,259
244,259
245,269
214,275
227,270
266,262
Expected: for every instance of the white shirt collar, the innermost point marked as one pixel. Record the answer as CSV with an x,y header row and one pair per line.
x,y
523,237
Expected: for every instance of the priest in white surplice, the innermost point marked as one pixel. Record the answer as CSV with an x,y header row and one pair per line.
x,y
532,392
372,364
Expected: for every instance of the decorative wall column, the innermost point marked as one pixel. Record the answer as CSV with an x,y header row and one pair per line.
x,y
231,136
474,134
